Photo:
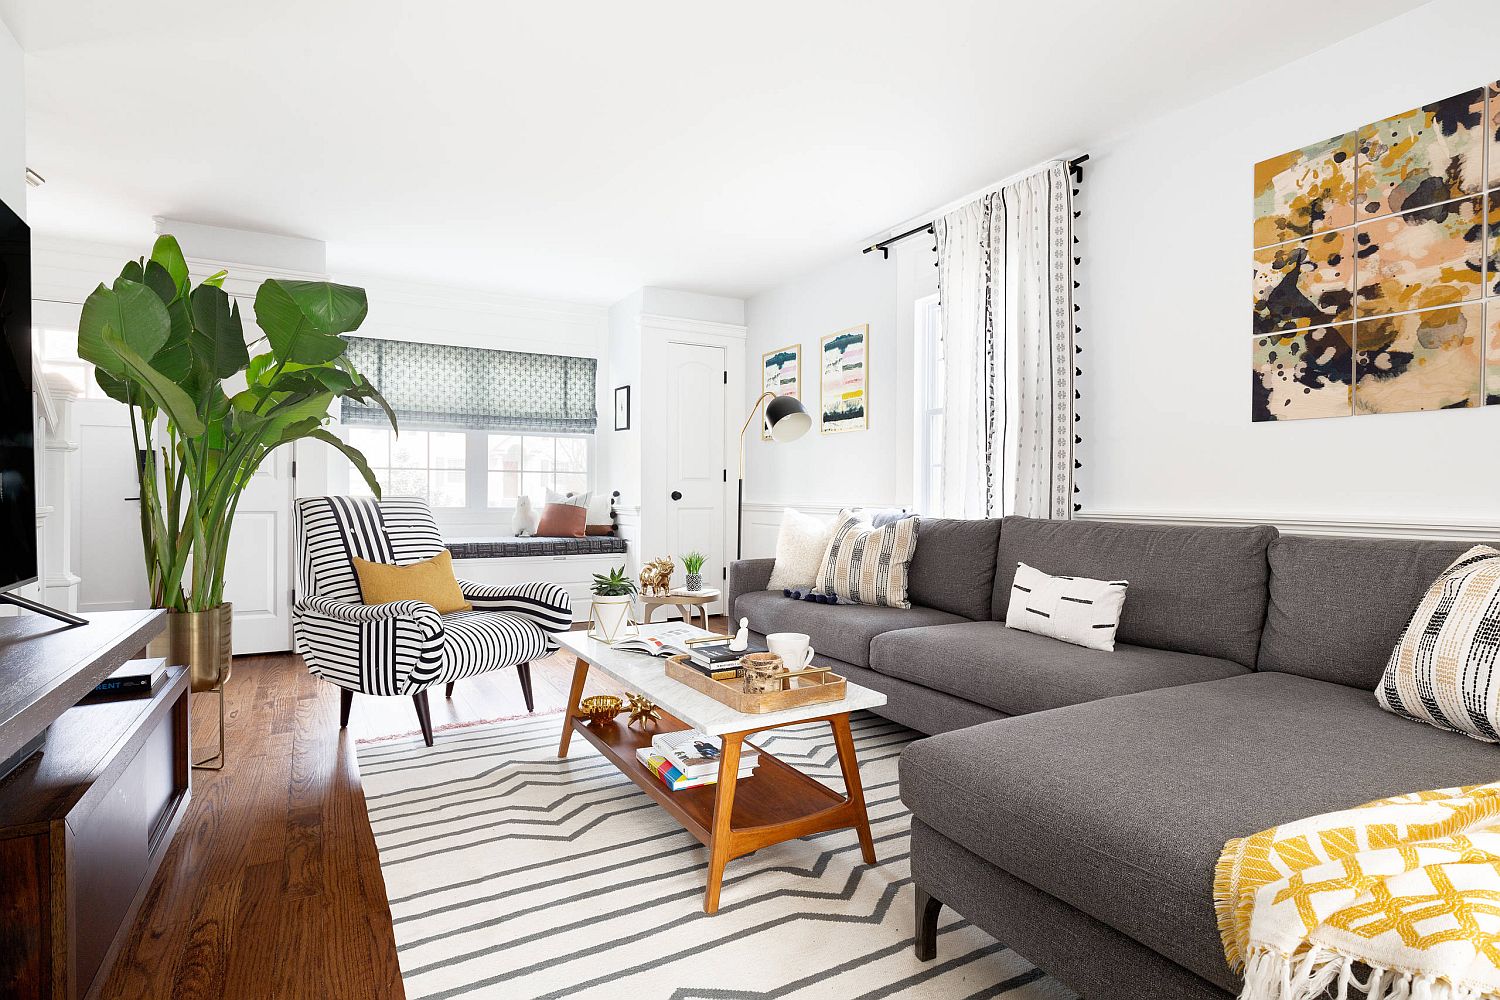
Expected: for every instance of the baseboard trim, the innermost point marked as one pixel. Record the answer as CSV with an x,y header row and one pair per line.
x,y
1301,524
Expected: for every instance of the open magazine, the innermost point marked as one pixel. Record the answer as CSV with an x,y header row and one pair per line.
x,y
670,640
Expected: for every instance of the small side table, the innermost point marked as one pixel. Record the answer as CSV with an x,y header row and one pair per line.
x,y
681,602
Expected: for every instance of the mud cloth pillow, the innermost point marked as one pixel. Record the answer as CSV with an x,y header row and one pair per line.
x,y
1074,609
864,564
1443,669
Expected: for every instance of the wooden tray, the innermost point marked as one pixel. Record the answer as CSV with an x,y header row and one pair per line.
x,y
805,687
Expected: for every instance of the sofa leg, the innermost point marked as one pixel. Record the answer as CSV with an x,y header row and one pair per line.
x,y
449,693
928,909
346,698
523,671
424,716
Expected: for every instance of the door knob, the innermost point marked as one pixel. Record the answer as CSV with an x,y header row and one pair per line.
x,y
676,494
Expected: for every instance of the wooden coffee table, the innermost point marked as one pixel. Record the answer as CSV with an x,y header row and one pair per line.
x,y
731,818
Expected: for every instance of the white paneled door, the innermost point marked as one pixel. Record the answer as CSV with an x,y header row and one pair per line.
x,y
107,552
697,466
258,572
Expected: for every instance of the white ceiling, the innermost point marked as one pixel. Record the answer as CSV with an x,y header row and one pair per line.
x,y
582,149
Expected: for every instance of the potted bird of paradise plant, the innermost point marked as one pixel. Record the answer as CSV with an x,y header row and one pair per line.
x,y
206,413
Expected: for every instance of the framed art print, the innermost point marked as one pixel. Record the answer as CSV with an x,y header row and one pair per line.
x,y
622,408
781,373
843,366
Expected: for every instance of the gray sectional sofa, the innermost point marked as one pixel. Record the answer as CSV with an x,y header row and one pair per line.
x,y
1073,802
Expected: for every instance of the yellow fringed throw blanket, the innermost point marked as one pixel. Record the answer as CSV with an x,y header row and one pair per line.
x,y
1395,900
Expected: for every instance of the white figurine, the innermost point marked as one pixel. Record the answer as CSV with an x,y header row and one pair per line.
x,y
525,520
741,638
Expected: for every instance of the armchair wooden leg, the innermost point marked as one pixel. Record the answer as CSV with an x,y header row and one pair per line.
x,y
523,671
928,910
424,716
346,698
450,688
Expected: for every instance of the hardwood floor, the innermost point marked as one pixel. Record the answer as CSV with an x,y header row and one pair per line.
x,y
272,887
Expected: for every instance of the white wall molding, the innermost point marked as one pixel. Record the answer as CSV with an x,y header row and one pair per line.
x,y
1327,524
808,506
677,324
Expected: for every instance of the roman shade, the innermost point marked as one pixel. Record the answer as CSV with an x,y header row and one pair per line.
x,y
470,388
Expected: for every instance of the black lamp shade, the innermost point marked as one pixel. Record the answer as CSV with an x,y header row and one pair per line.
x,y
787,418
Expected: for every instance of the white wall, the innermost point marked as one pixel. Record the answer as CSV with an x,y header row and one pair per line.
x,y
12,123
1167,235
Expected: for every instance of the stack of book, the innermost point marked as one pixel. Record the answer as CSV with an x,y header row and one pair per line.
x,y
688,759
718,661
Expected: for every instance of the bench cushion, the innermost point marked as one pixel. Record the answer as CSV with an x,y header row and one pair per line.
x,y
1195,590
1338,605
1018,672
1120,807
840,631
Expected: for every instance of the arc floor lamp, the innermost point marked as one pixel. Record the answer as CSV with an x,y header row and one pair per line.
x,y
788,421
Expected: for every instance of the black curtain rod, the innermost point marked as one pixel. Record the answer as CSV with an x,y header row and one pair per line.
x,y
1075,167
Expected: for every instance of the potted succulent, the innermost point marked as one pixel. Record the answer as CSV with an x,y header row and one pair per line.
x,y
614,599
693,563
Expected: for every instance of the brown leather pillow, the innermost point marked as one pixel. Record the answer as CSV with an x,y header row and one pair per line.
x,y
600,529
563,520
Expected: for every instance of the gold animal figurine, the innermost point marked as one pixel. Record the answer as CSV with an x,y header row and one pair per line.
x,y
642,711
656,577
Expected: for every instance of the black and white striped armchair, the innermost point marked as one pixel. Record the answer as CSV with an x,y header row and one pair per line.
x,y
406,647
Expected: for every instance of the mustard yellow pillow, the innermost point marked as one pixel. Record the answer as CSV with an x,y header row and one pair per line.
x,y
430,580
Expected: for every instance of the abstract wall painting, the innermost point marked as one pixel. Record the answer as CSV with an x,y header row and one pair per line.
x,y
1304,284
1419,361
1306,191
1304,375
1376,267
781,373
1430,257
843,360
1428,155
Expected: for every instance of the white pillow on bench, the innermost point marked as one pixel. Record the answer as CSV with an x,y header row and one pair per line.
x,y
1071,608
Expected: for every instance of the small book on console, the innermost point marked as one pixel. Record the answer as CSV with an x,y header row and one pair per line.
x,y
720,655
134,676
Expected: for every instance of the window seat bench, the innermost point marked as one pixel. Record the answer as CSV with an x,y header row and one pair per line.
x,y
511,548
569,562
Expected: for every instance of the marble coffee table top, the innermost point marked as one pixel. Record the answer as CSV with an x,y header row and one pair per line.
x,y
647,675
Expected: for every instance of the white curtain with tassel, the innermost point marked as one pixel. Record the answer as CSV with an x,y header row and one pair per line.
x,y
1005,289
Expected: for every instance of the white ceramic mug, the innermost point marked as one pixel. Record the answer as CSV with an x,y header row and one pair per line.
x,y
794,648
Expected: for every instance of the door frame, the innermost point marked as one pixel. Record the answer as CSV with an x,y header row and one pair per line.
x,y
656,332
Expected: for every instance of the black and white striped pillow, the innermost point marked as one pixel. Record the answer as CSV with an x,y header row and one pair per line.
x,y
867,565
1071,608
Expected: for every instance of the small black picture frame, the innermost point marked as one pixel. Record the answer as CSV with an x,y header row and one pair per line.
x,y
622,408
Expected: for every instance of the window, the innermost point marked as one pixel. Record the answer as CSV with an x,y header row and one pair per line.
x,y
929,397
531,464
472,470
57,351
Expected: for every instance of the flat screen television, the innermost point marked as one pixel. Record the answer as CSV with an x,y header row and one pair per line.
x,y
18,558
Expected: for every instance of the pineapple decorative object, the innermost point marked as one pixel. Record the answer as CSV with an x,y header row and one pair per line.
x,y
693,564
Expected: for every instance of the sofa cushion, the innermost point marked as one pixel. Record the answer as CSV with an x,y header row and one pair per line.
x,y
842,631
1338,605
1120,807
1195,590
954,568
1018,672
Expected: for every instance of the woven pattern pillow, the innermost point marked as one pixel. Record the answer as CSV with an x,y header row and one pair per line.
x,y
1443,669
867,565
1073,609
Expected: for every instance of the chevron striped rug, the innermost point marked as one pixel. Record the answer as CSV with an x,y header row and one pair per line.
x,y
517,875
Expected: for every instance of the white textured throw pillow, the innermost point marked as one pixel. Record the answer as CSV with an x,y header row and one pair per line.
x,y
865,564
799,550
1071,608
1443,669
576,500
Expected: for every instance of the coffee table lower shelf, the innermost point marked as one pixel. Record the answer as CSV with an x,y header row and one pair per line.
x,y
736,817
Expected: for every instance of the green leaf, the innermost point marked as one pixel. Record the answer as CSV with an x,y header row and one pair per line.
x,y
329,307
366,390
294,335
168,254
353,454
159,281
115,388
216,280
166,394
130,312
218,340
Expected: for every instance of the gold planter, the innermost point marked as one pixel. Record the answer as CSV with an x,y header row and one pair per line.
x,y
202,641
